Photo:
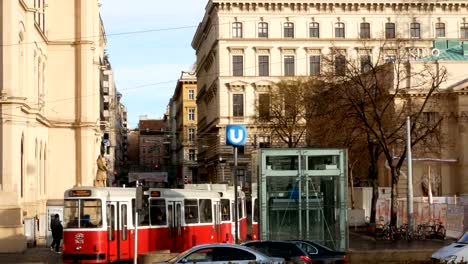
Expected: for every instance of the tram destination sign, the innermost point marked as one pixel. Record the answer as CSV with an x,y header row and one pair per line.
x,y
79,193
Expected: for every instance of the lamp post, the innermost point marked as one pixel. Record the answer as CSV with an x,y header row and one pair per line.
x,y
222,164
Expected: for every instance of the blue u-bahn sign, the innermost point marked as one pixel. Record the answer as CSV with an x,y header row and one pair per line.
x,y
236,135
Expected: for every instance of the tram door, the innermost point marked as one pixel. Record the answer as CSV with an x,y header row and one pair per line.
x,y
117,231
174,218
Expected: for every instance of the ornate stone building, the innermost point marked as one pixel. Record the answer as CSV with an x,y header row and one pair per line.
x,y
243,46
50,58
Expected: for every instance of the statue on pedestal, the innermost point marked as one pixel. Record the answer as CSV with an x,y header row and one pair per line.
x,y
101,174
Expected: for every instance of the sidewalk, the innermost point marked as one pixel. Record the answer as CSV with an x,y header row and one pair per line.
x,y
34,255
364,248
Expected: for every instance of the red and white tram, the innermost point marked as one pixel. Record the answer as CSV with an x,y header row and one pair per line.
x,y
99,222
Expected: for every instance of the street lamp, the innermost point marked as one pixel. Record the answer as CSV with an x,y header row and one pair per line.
x,y
222,164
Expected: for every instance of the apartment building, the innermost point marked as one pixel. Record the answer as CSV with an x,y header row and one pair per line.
x,y
185,106
50,58
244,46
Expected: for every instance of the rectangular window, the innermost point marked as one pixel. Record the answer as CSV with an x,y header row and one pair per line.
x,y
440,30
263,65
340,65
288,30
464,30
191,135
264,106
191,114
415,30
366,63
238,105
237,30
263,30
206,215
191,94
314,31
191,211
365,30
389,30
289,66
157,212
237,65
192,155
339,30
226,211
314,65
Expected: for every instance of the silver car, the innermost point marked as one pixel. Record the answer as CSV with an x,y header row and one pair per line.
x,y
222,253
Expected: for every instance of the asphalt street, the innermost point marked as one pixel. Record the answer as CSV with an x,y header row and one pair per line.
x,y
363,248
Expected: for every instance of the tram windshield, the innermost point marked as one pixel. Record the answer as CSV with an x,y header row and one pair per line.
x,y
82,213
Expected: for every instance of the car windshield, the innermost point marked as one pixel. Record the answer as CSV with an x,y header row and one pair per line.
x,y
463,239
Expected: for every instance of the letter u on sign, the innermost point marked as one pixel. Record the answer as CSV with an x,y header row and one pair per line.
x,y
236,135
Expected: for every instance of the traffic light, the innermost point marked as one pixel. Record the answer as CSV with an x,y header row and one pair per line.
x,y
139,198
156,166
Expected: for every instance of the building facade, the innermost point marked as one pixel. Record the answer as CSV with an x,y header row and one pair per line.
x,y
244,46
50,58
113,124
185,106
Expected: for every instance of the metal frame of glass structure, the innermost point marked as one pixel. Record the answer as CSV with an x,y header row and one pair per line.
x,y
302,195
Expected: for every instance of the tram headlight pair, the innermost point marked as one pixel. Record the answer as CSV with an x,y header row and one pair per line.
x,y
78,248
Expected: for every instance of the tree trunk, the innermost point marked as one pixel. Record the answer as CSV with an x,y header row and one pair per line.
x,y
375,196
394,202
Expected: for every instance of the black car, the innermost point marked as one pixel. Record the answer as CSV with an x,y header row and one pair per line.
x,y
287,250
321,254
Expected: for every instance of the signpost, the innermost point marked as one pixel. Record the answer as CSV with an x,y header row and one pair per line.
x,y
236,135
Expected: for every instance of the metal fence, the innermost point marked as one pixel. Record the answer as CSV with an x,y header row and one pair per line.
x,y
452,212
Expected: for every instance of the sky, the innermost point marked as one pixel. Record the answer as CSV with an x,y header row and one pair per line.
x,y
148,64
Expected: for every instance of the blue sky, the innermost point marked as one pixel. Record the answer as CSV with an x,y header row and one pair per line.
x,y
147,65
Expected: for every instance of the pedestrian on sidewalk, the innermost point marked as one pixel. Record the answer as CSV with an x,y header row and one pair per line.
x,y
57,232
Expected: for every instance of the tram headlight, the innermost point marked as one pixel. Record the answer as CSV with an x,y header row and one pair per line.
x,y
78,248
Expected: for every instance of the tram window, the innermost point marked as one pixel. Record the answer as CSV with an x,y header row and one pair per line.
x,y
91,216
226,213
205,211
70,213
123,215
82,213
144,216
191,211
158,212
110,222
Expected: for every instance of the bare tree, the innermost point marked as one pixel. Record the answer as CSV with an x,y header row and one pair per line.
x,y
372,100
281,110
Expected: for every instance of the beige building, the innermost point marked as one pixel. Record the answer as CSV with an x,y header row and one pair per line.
x,y
244,46
185,106
50,57
113,124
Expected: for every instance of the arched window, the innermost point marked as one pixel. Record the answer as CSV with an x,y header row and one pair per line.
x,y
440,30
415,30
390,30
339,30
263,30
237,30
288,30
314,30
365,30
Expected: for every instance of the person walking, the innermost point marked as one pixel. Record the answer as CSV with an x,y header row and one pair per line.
x,y
57,232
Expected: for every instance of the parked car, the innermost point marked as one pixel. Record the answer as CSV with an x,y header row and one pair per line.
x,y
453,253
223,253
282,249
321,254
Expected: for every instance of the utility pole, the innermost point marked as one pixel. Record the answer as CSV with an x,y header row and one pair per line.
x,y
410,175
